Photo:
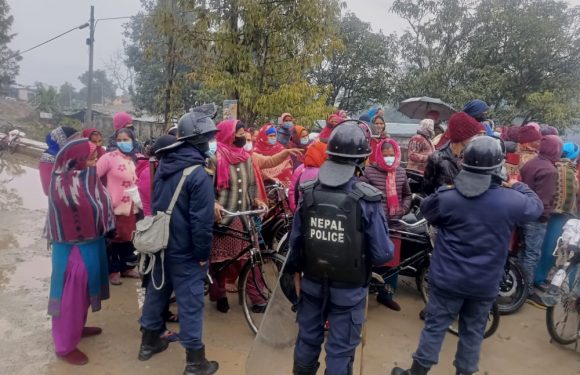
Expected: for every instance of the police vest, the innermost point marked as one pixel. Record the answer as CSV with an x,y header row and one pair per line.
x,y
334,241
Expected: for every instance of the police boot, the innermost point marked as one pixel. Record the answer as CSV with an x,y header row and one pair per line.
x,y
416,369
197,364
151,343
305,370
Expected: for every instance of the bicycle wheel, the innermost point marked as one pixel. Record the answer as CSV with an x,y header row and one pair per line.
x,y
283,245
563,319
256,285
513,289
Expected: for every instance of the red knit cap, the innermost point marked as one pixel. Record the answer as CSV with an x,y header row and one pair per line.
x,y
529,134
462,127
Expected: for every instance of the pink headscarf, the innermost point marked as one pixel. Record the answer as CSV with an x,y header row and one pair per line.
x,y
227,153
121,120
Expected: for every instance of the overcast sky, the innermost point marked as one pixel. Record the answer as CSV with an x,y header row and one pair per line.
x,y
65,59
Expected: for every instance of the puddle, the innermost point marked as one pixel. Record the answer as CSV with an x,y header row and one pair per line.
x,y
32,274
20,187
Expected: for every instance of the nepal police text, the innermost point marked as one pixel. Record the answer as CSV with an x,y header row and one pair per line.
x,y
326,230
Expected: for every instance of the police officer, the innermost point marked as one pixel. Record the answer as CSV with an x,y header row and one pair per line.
x,y
185,261
476,218
339,230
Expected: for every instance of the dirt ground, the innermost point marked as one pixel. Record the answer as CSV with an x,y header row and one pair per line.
x,y
521,345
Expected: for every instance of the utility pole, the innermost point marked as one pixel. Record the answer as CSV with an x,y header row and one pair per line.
x,y
91,43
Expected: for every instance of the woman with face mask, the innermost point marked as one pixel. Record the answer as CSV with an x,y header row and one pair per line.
x,y
239,187
387,175
300,141
118,168
420,146
267,145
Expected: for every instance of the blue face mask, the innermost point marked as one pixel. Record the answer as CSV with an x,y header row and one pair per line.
x,y
272,141
287,124
125,146
212,148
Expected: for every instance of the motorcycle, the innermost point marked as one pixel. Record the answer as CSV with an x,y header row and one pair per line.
x,y
11,140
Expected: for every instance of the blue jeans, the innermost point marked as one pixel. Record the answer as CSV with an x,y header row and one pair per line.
x,y
442,309
534,233
187,278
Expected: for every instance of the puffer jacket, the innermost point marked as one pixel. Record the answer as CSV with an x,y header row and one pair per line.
x,y
419,149
378,178
442,167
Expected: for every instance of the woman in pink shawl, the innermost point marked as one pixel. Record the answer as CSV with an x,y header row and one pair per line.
x,y
239,187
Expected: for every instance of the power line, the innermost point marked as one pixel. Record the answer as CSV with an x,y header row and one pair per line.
x,y
45,42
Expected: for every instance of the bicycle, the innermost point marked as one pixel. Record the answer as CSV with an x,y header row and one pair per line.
x,y
563,295
278,220
259,275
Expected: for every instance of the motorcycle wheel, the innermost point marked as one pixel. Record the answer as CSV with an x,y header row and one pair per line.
x,y
422,281
513,289
283,245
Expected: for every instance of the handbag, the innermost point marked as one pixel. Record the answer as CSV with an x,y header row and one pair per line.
x,y
151,234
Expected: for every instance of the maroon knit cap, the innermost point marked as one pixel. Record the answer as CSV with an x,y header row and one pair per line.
x,y
462,127
529,134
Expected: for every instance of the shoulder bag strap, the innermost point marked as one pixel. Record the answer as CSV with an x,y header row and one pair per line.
x,y
186,172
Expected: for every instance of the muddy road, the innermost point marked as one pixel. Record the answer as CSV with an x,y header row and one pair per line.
x,y
521,345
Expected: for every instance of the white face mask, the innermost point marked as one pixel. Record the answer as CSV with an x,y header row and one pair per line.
x,y
304,141
248,146
389,160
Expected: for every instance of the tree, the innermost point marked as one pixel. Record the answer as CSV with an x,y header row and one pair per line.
x,y
67,96
362,72
121,75
262,51
103,88
520,56
46,98
8,59
160,51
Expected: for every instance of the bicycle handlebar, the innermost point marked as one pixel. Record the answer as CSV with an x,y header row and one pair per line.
x,y
414,225
244,213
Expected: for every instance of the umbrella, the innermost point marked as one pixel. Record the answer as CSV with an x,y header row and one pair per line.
x,y
418,108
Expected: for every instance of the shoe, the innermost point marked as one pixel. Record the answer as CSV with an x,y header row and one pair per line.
x,y
387,300
416,369
131,274
91,331
151,343
222,305
305,370
197,364
115,278
422,314
536,301
76,358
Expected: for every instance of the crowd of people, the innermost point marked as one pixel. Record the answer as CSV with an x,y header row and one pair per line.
x,y
97,193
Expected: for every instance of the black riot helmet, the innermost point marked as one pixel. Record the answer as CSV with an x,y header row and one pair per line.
x,y
348,140
483,160
348,146
483,155
197,122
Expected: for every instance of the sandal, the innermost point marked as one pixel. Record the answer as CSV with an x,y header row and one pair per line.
x,y
231,288
170,336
